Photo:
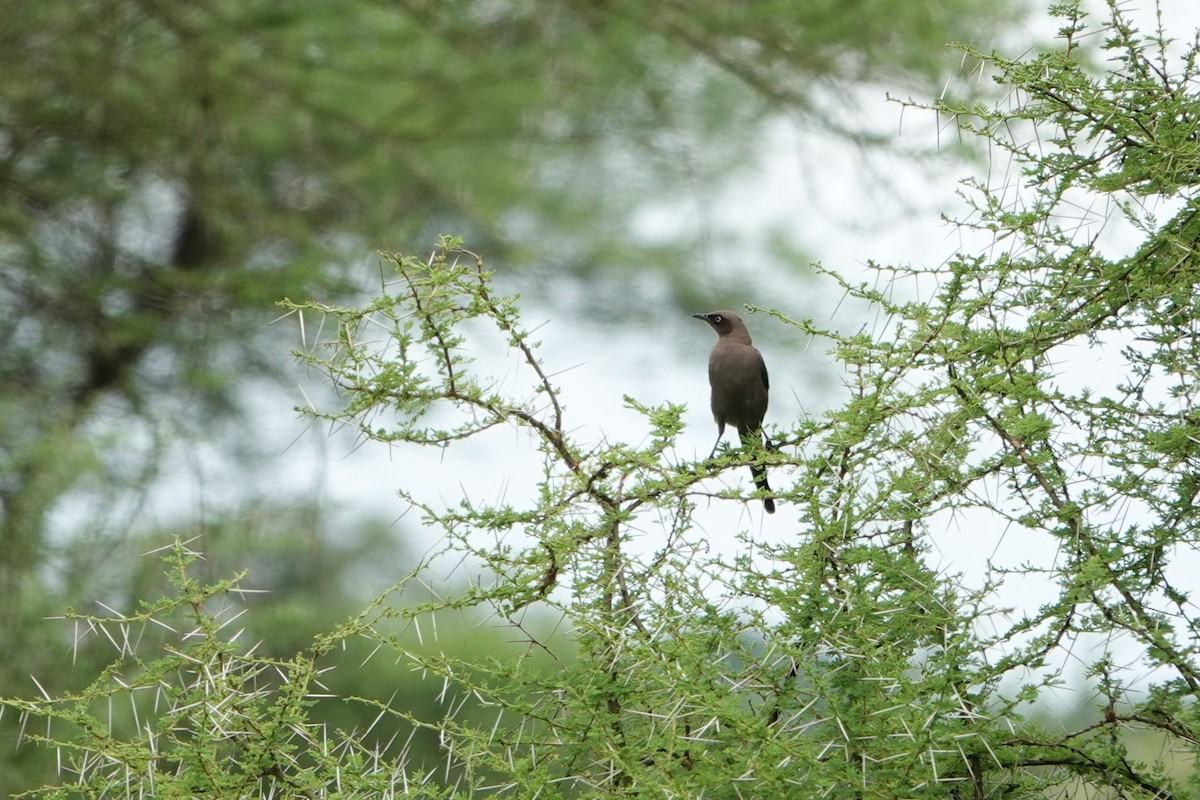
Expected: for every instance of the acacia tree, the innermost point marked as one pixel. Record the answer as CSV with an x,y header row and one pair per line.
x,y
841,662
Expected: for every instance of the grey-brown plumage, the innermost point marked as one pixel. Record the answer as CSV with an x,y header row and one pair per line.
x,y
738,377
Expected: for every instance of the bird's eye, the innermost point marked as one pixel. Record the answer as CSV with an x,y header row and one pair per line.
x,y
717,318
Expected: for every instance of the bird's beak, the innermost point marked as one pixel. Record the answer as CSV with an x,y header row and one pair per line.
x,y
701,316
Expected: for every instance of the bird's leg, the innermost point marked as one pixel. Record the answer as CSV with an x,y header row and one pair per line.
x,y
717,443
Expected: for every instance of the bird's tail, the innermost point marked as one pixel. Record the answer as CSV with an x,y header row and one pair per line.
x,y
751,439
760,480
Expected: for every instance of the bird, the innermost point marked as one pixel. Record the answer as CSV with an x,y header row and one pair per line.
x,y
738,377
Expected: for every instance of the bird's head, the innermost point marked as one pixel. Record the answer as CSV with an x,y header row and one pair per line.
x,y
723,322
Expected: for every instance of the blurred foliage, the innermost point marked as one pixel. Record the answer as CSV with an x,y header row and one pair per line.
x,y
168,170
